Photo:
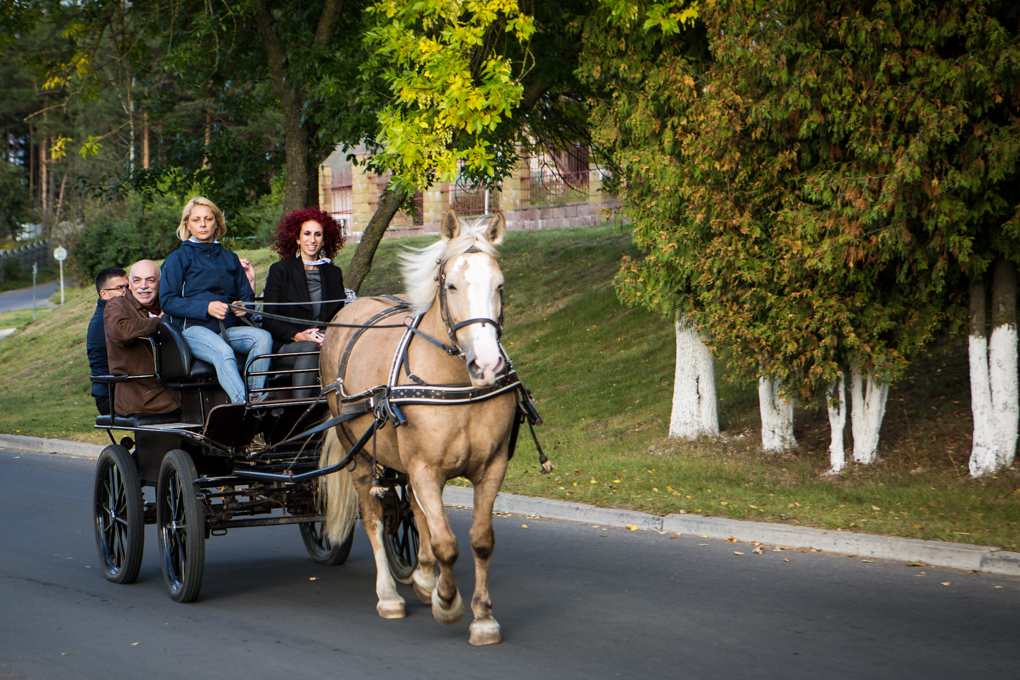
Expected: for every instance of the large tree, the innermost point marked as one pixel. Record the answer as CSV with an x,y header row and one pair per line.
x,y
820,186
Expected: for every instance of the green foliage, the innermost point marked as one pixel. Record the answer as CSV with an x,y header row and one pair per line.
x,y
448,79
122,232
15,202
813,188
12,269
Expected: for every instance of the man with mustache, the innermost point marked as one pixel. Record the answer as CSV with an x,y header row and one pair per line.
x,y
129,322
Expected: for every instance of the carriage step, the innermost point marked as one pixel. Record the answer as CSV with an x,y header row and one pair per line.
x,y
174,426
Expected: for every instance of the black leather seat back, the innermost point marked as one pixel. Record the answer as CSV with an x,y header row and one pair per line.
x,y
175,363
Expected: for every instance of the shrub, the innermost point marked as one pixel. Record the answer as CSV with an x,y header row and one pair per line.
x,y
123,232
11,269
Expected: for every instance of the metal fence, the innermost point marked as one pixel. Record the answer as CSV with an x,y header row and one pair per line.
x,y
554,188
471,200
36,252
342,199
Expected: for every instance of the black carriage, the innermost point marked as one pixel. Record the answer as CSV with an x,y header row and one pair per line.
x,y
217,466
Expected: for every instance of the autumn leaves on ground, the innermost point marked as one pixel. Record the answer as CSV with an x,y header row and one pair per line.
x,y
602,374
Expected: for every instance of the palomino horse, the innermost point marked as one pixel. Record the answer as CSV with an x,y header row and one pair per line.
x,y
456,285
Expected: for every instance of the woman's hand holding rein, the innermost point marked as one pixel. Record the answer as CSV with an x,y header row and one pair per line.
x,y
218,310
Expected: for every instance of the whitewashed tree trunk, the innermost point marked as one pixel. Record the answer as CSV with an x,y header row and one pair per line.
x,y
836,404
695,412
993,373
776,417
868,398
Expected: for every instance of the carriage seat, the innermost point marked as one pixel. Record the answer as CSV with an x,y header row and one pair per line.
x,y
139,420
175,366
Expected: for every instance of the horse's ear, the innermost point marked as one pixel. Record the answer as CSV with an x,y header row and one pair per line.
x,y
496,229
451,225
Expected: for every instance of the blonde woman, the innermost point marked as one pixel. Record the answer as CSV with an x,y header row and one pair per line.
x,y
199,281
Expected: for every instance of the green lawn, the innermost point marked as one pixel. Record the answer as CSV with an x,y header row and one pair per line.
x,y
603,375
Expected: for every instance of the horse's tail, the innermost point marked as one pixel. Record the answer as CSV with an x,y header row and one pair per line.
x,y
337,490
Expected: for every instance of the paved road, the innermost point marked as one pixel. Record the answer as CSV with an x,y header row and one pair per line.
x,y
13,300
574,601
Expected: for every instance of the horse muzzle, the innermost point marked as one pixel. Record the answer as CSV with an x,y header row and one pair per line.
x,y
483,373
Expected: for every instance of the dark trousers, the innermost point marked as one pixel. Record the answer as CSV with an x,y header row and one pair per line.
x,y
103,405
311,363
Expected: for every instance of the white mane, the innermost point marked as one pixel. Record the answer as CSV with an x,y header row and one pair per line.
x,y
420,266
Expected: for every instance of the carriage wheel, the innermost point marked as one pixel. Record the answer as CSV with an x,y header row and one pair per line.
x,y
119,515
180,518
400,538
322,550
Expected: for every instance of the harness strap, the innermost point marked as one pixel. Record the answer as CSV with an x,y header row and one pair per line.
x,y
342,368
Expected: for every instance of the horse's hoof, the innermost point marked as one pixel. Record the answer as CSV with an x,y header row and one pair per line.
x,y
484,633
423,595
391,610
447,616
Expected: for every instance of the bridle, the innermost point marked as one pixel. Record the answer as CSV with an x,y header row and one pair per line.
x,y
447,317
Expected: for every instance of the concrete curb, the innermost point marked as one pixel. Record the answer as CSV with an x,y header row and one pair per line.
x,y
934,553
37,445
985,559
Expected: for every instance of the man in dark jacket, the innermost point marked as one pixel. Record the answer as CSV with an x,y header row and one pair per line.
x,y
110,283
130,321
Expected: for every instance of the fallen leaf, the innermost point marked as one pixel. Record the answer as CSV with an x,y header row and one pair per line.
x,y
916,564
947,583
731,539
631,527
313,578
867,561
703,544
524,526
758,551
737,553
998,586
134,644
786,559
875,507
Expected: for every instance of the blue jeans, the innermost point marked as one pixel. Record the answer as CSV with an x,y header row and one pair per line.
x,y
209,346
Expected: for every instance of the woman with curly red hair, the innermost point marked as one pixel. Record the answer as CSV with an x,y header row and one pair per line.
x,y
306,240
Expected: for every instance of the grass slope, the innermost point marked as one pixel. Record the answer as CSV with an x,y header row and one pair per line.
x,y
602,374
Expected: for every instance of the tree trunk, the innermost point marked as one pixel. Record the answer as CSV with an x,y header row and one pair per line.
x,y
868,398
301,189
993,372
361,263
836,403
694,401
776,417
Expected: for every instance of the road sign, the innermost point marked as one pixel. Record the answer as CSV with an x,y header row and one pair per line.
x,y
60,253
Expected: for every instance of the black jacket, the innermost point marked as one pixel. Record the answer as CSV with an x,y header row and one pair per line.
x,y
286,282
95,347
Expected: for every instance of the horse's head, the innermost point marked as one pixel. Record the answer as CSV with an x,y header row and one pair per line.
x,y
468,297
471,293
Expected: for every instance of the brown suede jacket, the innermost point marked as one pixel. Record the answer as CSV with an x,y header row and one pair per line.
x,y
128,326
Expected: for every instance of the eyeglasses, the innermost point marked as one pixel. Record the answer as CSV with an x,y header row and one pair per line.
x,y
121,288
